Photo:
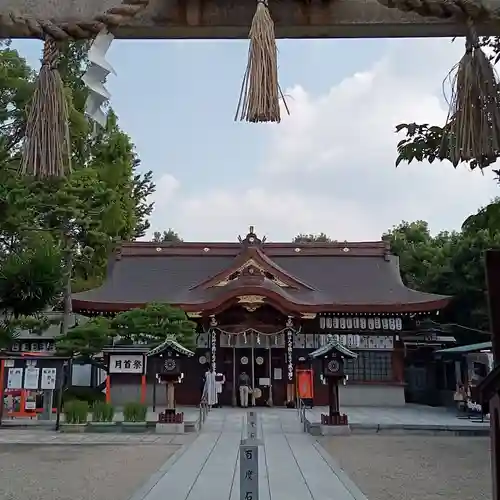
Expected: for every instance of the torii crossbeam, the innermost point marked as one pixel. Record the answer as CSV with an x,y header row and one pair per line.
x,y
206,19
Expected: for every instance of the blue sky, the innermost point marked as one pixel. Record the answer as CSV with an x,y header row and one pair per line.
x,y
329,167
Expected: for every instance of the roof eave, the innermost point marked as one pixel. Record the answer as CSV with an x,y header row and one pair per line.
x,y
293,307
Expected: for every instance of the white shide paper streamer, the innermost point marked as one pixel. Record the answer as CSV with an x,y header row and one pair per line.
x,y
95,78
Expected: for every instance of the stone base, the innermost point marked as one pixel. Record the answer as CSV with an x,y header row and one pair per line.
x,y
335,430
170,428
102,427
132,427
335,419
73,428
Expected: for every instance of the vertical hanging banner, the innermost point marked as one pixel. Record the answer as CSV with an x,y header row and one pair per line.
x,y
289,352
214,349
213,343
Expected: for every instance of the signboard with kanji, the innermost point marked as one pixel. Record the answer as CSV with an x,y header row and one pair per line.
x,y
31,377
126,363
49,376
249,472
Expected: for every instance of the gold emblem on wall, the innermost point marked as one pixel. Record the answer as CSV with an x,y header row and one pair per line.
x,y
251,302
253,267
308,315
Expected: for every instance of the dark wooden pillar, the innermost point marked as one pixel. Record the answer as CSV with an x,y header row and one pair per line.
x,y
333,396
492,265
398,365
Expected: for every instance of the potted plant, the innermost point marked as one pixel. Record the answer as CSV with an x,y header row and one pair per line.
x,y
75,416
102,417
134,417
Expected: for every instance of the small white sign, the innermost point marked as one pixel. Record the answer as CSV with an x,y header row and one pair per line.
x,y
31,376
15,378
30,405
48,378
277,374
9,363
126,363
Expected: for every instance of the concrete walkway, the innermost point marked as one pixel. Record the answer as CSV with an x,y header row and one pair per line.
x,y
292,466
416,418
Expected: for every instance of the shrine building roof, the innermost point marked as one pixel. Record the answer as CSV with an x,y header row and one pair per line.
x,y
205,278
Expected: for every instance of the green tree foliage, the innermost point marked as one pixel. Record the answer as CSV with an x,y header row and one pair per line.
x,y
30,278
86,339
106,197
104,200
30,281
312,238
425,142
169,236
11,327
450,263
153,323
149,325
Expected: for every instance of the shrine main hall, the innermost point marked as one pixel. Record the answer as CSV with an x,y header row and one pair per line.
x,y
262,307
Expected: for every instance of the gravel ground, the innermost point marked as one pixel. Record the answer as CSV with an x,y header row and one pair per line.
x,y
78,472
415,467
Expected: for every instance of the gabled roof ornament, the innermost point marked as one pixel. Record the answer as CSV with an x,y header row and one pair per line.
x,y
251,239
170,342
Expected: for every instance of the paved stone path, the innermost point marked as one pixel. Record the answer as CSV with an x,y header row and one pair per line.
x,y
292,466
417,416
14,436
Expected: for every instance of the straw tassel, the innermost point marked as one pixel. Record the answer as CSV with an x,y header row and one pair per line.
x,y
260,91
46,151
472,131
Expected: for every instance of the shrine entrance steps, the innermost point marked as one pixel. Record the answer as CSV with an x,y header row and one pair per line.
x,y
292,465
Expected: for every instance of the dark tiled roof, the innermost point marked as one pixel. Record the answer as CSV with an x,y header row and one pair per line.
x,y
332,345
54,330
347,277
170,342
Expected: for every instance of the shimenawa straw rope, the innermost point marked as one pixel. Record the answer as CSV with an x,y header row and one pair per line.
x,y
472,130
47,149
260,91
47,145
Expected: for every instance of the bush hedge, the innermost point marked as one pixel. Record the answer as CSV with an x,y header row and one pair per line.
x,y
76,412
135,412
102,412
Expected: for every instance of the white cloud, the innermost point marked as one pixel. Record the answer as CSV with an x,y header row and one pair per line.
x,y
166,188
330,165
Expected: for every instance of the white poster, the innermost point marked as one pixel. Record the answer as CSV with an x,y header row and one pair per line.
x,y
15,378
31,376
126,363
48,378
